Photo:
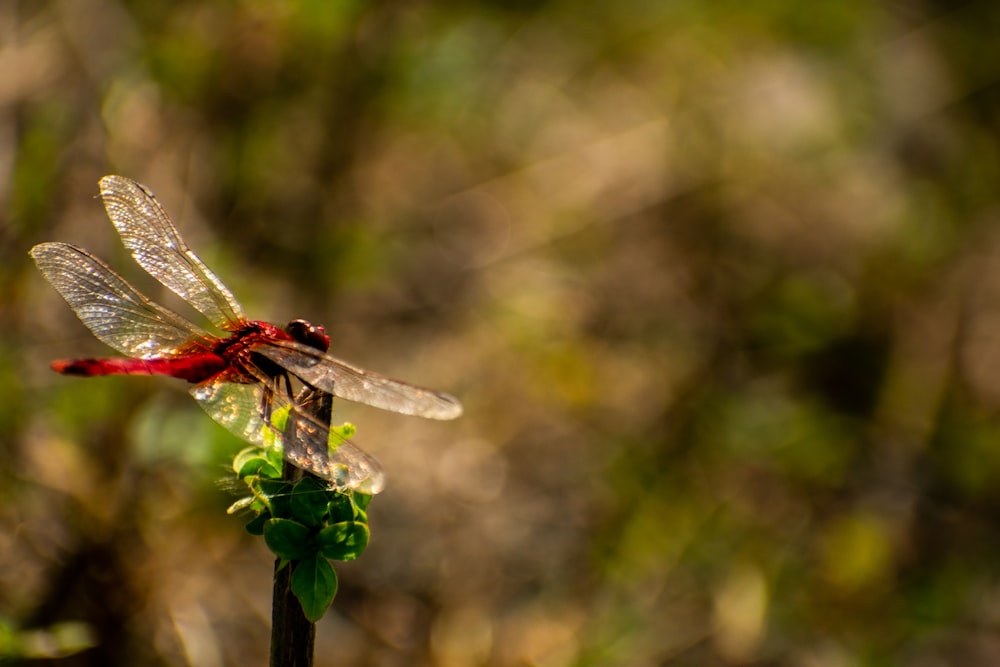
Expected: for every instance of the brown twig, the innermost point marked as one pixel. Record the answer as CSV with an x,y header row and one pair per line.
x,y
293,636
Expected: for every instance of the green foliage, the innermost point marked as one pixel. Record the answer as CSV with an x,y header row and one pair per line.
x,y
718,282
288,539
314,583
343,541
306,524
56,641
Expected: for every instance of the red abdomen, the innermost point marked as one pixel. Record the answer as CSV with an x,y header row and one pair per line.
x,y
193,368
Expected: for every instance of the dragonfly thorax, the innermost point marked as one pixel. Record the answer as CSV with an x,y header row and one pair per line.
x,y
238,350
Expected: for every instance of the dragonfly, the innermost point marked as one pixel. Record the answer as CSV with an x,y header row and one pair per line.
x,y
242,376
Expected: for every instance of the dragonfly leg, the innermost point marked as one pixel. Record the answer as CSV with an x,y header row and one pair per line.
x,y
288,387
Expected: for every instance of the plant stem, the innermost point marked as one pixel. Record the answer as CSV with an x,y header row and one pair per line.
x,y
293,635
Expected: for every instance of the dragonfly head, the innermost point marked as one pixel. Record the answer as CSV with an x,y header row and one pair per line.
x,y
310,334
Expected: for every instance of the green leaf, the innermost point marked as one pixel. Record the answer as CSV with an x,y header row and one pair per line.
x,y
256,525
361,500
263,462
349,506
256,465
341,508
289,539
277,495
314,583
245,454
241,504
279,418
343,541
340,434
258,461
309,502
276,456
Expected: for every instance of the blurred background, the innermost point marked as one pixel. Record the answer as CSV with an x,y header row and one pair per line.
x,y
717,284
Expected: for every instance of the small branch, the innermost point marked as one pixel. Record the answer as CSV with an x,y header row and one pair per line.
x,y
293,636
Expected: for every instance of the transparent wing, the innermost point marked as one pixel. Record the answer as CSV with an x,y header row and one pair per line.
x,y
341,379
156,245
309,444
306,442
117,313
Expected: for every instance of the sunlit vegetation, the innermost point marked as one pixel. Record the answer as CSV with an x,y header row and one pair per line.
x,y
715,282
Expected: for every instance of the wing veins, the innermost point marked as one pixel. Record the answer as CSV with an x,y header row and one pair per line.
x,y
344,380
156,245
117,313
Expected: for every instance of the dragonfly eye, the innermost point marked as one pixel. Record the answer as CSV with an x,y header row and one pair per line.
x,y
309,334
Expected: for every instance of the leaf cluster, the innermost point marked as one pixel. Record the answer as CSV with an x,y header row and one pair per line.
x,y
306,524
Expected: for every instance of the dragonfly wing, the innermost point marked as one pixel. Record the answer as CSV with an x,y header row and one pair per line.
x,y
310,445
341,379
235,406
306,442
117,313
147,232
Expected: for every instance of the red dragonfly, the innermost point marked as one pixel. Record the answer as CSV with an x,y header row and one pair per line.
x,y
240,379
